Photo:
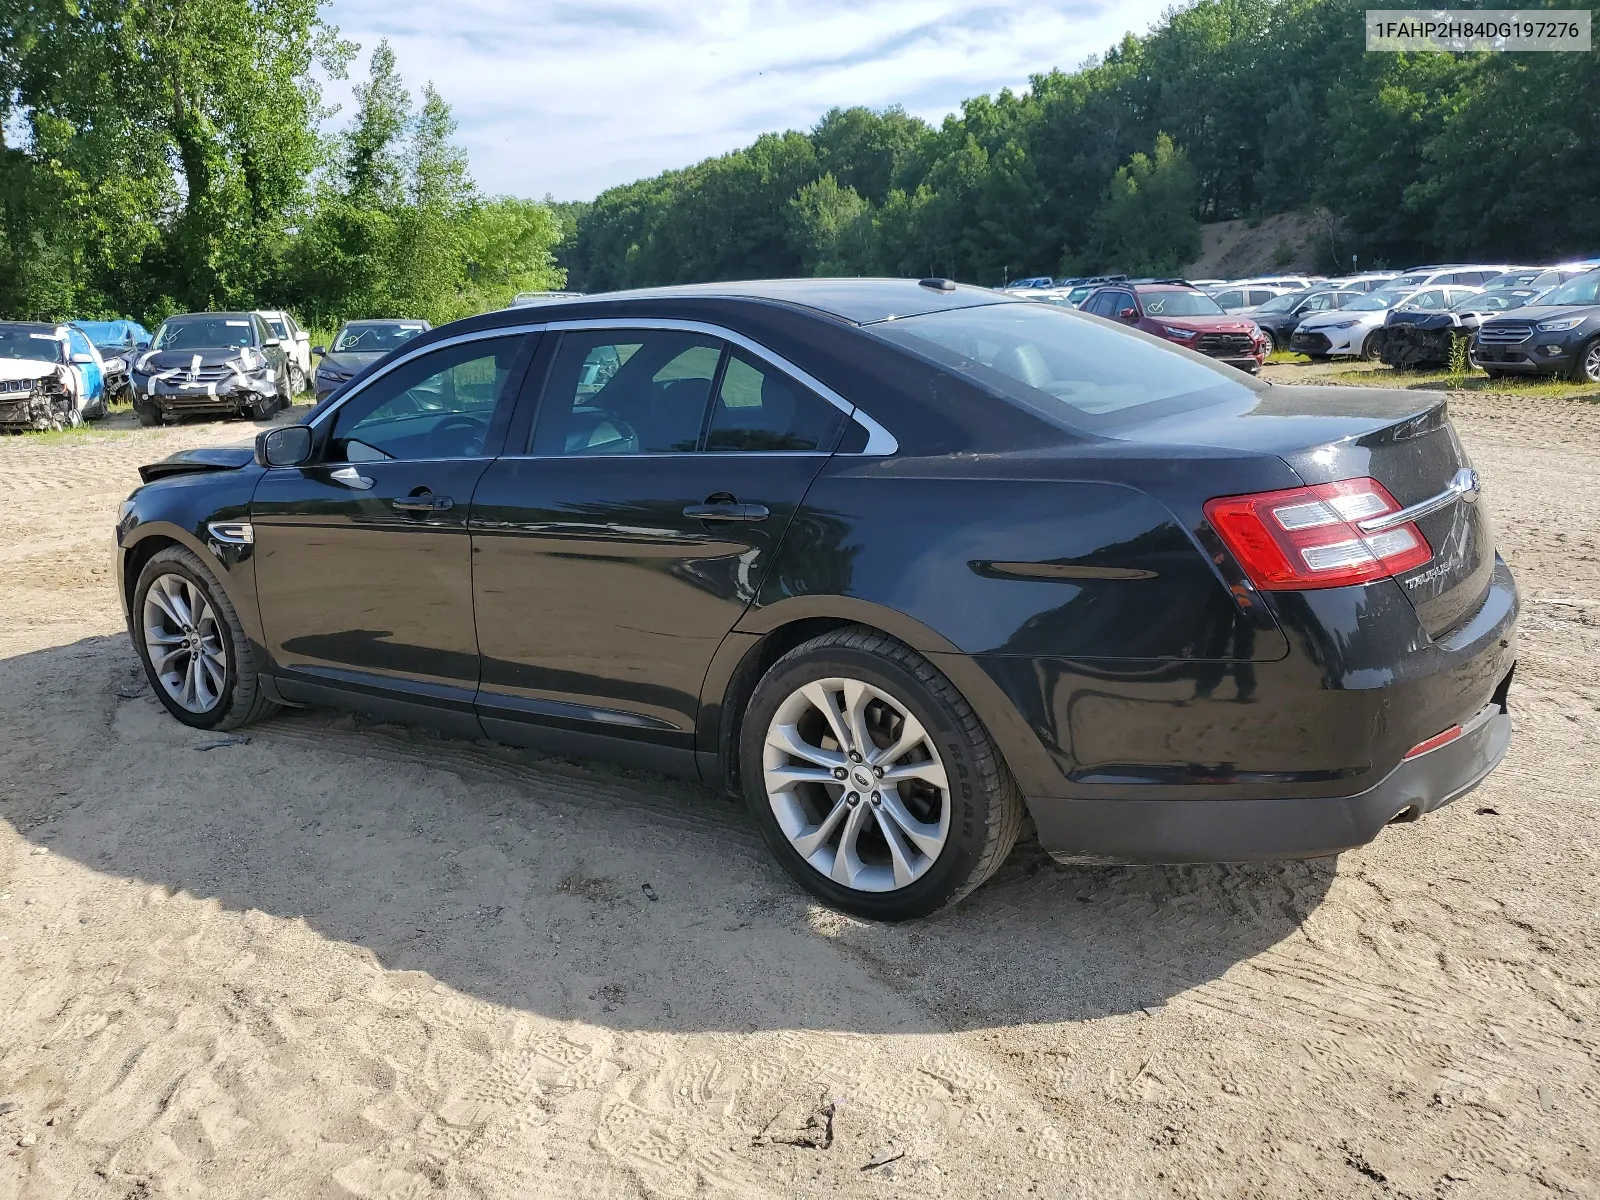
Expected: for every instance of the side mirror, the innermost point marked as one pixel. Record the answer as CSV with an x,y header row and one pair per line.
x,y
1129,314
320,351
83,358
273,342
142,345
289,446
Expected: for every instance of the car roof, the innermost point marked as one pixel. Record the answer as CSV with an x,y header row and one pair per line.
x,y
858,301
234,316
49,327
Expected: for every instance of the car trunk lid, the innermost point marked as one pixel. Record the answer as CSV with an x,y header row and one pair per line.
x,y
1402,439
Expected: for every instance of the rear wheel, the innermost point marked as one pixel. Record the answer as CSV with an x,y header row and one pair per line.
x,y
297,382
147,414
1271,345
872,779
193,647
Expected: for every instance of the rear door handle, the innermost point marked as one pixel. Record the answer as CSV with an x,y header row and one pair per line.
x,y
726,511
424,503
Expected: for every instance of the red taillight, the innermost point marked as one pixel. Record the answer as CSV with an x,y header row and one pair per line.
x,y
1433,743
1306,537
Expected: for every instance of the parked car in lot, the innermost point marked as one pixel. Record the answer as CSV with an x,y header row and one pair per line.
x,y
1422,302
1447,274
357,346
1035,281
1558,333
51,377
1186,316
296,343
1419,339
221,363
1235,298
1279,317
1349,331
899,562
1369,281
117,343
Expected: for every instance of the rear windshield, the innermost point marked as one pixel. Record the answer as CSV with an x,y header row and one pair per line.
x,y
201,333
361,339
1074,370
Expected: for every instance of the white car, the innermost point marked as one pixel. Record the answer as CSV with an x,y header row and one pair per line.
x,y
1347,331
296,347
1236,297
51,376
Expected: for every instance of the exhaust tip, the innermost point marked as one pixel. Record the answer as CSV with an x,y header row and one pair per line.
x,y
1408,814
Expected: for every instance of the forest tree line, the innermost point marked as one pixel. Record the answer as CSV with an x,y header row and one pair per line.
x,y
166,155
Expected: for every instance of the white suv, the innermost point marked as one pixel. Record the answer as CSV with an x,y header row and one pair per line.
x,y
296,347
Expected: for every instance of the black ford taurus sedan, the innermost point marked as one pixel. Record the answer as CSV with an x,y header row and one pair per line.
x,y
899,562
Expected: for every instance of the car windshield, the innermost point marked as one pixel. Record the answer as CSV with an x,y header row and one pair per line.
x,y
107,333
1497,301
1062,365
1511,279
1582,290
1179,304
1427,298
1282,304
1374,302
22,342
201,333
363,339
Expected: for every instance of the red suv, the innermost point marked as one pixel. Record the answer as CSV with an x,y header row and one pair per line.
x,y
1183,315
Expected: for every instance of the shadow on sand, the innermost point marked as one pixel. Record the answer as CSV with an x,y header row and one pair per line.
x,y
522,880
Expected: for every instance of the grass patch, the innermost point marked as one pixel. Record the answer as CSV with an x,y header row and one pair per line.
x,y
84,433
1355,373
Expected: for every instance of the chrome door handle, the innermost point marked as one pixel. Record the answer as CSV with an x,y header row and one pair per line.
x,y
351,478
425,503
726,512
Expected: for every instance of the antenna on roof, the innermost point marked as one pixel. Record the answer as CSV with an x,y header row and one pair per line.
x,y
937,284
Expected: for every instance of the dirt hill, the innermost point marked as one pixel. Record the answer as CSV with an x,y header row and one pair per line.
x,y
1235,249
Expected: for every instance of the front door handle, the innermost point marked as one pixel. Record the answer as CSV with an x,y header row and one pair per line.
x,y
425,503
726,511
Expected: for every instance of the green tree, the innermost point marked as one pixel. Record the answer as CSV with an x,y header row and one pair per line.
x,y
1145,224
833,229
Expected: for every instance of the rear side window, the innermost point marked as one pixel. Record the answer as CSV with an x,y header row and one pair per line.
x,y
1062,366
758,407
612,392
1229,299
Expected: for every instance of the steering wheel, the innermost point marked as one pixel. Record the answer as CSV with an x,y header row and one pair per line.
x,y
474,427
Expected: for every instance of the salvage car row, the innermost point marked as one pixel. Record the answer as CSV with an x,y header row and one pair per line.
x,y
56,375
1504,319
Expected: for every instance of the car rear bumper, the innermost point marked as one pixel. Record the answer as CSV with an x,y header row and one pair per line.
x,y
1210,830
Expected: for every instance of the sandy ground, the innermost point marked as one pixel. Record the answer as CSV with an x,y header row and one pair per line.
x,y
347,960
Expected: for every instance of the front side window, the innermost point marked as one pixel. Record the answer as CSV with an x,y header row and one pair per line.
x,y
79,344
641,391
438,405
1074,372
759,408
279,329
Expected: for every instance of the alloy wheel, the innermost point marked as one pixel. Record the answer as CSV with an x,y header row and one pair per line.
x,y
183,638
1591,362
857,785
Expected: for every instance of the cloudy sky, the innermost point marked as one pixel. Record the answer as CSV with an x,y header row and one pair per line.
x,y
569,98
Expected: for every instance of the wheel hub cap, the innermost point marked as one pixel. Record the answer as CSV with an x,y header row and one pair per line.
x,y
835,743
183,639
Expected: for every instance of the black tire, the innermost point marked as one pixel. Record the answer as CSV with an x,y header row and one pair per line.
x,y
985,806
147,414
1494,374
297,382
240,700
1586,367
1372,346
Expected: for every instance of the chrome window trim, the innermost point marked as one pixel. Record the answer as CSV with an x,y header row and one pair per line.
x,y
880,442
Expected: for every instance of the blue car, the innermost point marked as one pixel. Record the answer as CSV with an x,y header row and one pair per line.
x,y
117,341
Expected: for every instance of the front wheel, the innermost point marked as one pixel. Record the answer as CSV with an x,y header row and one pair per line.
x,y
193,647
297,382
873,781
1372,346
1587,368
1271,347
